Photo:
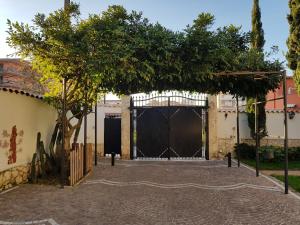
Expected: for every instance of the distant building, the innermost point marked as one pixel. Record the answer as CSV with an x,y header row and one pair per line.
x,y
228,102
293,99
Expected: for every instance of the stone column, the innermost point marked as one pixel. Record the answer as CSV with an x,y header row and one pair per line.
x,y
125,127
212,126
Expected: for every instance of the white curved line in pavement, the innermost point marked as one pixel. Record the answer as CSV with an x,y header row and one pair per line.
x,y
39,222
185,185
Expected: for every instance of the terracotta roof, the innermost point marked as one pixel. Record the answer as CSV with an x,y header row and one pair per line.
x,y
18,77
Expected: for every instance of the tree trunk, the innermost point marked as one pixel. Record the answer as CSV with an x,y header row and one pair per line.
x,y
77,130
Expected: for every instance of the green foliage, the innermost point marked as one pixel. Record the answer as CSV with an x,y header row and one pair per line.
x,y
248,152
257,36
250,109
293,41
257,43
122,52
294,181
272,165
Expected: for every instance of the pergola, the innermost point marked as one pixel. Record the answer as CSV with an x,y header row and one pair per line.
x,y
261,76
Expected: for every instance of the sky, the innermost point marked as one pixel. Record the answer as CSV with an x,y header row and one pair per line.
x,y
173,14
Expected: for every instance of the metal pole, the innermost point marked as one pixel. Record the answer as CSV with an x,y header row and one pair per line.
x,y
85,133
169,129
113,158
238,130
206,130
96,133
286,167
63,124
229,159
256,138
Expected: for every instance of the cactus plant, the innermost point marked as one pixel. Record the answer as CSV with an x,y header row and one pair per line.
x,y
40,161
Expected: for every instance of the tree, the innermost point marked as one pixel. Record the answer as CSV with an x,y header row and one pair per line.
x,y
57,49
293,41
257,43
257,36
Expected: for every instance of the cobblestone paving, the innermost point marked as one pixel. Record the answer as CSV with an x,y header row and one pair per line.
x,y
160,192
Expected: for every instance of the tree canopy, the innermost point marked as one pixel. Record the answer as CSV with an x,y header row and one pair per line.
x,y
258,39
124,53
257,43
293,41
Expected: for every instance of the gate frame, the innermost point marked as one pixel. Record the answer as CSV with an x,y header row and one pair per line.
x,y
140,100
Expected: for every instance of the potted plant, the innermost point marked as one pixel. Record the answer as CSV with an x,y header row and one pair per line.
x,y
268,153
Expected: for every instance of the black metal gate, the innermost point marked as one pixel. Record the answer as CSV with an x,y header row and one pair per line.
x,y
173,126
112,135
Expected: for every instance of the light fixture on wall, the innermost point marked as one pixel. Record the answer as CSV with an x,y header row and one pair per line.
x,y
291,115
225,115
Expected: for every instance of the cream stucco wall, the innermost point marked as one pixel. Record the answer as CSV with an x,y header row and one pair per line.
x,y
102,111
274,123
30,116
227,125
226,134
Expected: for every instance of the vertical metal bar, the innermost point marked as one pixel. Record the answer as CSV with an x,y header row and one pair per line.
x,y
135,134
238,130
169,129
229,159
113,158
63,124
96,133
85,132
206,130
286,168
256,138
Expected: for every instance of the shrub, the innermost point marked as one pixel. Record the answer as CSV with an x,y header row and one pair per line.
x,y
246,151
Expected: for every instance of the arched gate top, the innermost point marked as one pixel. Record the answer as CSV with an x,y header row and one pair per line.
x,y
167,99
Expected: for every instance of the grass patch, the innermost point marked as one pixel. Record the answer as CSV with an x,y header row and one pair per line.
x,y
293,165
294,181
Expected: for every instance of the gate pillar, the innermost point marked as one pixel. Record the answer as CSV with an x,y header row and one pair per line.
x,y
125,127
212,126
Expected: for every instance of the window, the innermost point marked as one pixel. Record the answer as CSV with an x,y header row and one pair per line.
x,y
1,73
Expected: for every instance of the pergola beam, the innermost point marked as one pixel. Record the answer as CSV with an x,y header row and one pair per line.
x,y
264,75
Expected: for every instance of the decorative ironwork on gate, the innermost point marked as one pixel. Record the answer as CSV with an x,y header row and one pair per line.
x,y
169,125
156,99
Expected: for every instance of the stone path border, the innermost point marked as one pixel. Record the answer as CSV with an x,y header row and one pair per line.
x,y
280,172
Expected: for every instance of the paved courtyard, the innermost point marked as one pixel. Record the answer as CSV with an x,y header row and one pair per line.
x,y
160,192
